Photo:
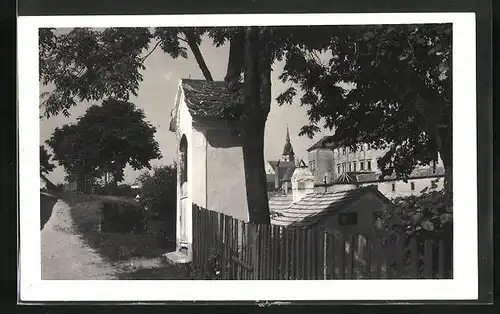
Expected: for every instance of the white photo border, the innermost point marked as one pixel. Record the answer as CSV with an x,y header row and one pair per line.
x,y
464,285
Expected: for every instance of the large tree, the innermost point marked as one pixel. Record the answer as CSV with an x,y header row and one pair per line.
x,y
87,64
45,165
387,85
104,140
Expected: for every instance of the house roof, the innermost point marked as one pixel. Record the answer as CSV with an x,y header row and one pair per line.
x,y
316,206
417,173
325,142
213,99
278,203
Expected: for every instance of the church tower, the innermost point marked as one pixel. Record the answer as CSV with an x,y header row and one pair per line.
x,y
288,154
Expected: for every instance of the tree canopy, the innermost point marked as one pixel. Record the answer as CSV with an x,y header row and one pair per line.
x,y
401,77
387,85
104,140
45,165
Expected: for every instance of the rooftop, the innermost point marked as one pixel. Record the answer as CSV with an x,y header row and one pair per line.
x,y
212,99
316,206
325,142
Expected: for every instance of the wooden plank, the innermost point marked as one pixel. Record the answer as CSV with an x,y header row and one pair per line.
x,y
282,260
195,237
368,258
248,252
288,242
400,258
275,251
320,252
342,257
352,260
236,248
255,251
442,259
221,242
414,264
330,257
294,257
308,252
428,258
303,254
227,247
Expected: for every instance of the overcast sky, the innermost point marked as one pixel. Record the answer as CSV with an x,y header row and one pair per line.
x,y
156,97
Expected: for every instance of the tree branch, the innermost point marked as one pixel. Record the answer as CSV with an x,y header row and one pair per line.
x,y
152,50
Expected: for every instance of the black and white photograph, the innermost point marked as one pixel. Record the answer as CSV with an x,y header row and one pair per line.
x,y
258,154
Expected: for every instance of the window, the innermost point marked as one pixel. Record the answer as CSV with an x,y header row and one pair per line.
x,y
183,166
354,165
343,167
343,151
338,168
369,165
350,168
361,165
394,187
433,167
348,219
412,186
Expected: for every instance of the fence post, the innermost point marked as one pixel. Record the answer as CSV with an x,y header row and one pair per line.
x,y
255,250
428,269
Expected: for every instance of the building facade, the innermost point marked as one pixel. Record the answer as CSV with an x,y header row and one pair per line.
x,y
337,167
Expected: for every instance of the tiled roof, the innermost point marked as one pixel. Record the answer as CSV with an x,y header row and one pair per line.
x,y
316,206
212,99
345,178
325,142
417,173
278,203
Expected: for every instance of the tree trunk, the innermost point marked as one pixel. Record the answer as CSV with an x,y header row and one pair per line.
x,y
445,147
193,45
236,57
257,98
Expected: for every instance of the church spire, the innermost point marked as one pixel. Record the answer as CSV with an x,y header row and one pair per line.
x,y
288,154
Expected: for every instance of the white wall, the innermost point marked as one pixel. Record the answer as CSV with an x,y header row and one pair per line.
x,y
404,189
184,127
226,189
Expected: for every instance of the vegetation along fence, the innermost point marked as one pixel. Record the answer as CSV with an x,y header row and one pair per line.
x,y
228,248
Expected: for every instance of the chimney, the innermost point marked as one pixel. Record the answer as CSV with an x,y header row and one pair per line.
x,y
302,183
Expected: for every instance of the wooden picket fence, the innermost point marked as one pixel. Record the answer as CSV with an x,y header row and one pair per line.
x,y
233,249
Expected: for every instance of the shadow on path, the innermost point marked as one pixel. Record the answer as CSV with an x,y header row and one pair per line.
x,y
47,202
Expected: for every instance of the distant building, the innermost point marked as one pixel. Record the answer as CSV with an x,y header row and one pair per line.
x,y
337,168
278,172
349,211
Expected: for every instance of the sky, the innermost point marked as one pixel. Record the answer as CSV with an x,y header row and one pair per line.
x,y
156,97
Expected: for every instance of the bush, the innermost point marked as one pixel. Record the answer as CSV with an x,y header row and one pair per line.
x,y
121,217
158,195
114,189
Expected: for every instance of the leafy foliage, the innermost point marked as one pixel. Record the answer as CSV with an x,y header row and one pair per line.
x,y
124,190
386,85
45,165
424,216
158,195
105,140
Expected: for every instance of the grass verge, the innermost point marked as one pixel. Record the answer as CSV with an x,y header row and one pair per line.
x,y
86,211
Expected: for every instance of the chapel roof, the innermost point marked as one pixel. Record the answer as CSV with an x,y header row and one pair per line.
x,y
213,99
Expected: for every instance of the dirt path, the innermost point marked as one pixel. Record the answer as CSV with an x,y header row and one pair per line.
x,y
64,253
